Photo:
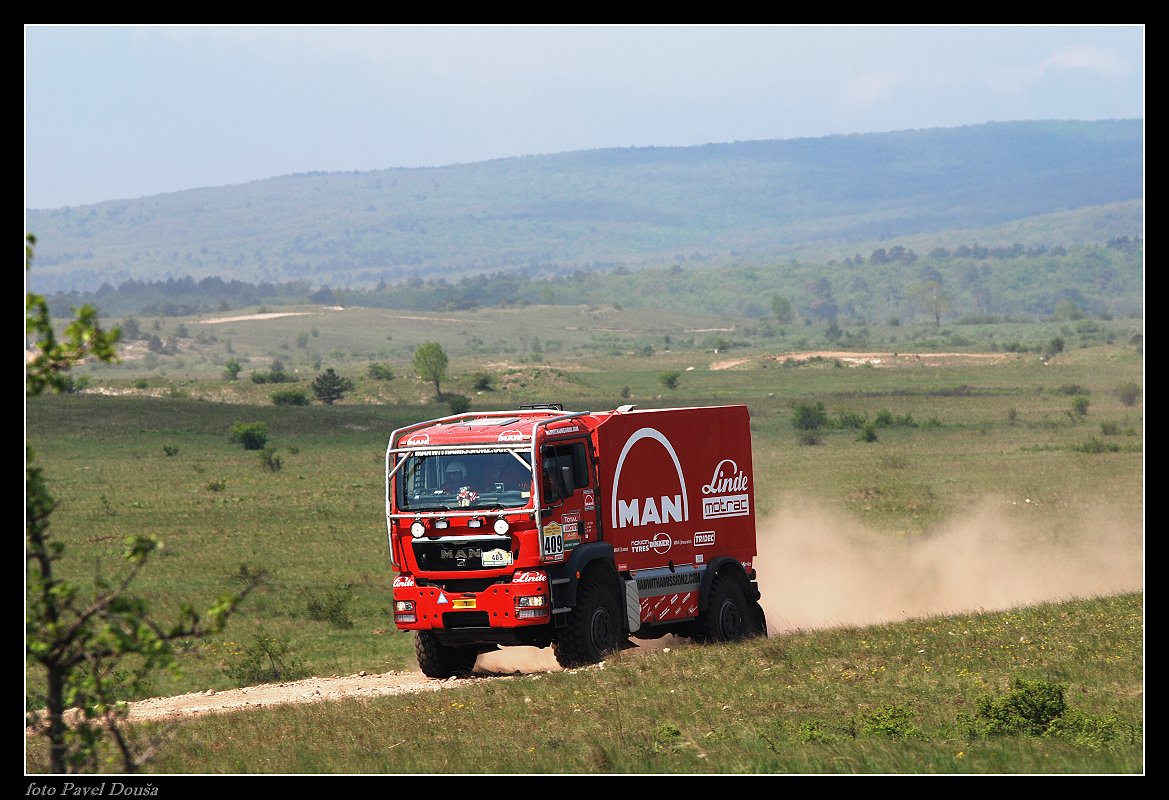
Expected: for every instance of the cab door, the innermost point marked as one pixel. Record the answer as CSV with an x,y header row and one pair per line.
x,y
569,498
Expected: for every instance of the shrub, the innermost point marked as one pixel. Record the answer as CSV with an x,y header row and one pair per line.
x,y
270,461
290,397
252,435
670,379
170,450
458,403
810,438
331,607
851,420
1080,406
893,722
1129,393
1029,708
481,382
1110,428
266,660
884,419
381,372
1073,389
1095,445
868,433
809,418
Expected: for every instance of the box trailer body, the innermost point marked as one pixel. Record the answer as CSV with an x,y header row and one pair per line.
x,y
577,530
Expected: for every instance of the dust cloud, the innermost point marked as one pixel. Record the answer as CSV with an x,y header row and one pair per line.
x,y
821,570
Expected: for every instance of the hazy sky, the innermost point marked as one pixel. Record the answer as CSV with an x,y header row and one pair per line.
x,y
117,112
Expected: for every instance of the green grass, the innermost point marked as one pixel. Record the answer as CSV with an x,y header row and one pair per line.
x,y
892,698
974,437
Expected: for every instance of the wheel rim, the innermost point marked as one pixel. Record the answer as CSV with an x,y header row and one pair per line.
x,y
601,630
730,621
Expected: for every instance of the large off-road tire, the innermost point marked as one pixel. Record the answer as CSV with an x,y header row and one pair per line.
x,y
727,617
593,629
442,661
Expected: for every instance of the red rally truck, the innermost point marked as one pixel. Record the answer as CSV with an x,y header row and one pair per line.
x,y
577,530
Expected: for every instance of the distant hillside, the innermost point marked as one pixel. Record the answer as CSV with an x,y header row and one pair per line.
x,y
746,202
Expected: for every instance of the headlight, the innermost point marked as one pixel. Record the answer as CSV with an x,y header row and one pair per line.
x,y
418,530
501,527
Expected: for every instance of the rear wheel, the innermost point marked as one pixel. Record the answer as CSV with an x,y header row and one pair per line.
x,y
438,660
727,616
593,629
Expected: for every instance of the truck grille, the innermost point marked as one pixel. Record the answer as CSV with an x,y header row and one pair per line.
x,y
451,556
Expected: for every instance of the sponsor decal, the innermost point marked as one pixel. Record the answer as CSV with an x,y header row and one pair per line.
x,y
588,528
698,558
589,500
573,517
671,581
718,503
660,543
529,577
704,538
418,439
403,581
511,436
658,510
463,602
558,431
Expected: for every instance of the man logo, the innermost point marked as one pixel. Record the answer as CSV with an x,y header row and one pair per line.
x,y
649,510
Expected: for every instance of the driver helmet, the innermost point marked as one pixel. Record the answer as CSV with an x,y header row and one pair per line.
x,y
456,472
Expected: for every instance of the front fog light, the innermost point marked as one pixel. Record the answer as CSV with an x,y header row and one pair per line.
x,y
418,530
501,527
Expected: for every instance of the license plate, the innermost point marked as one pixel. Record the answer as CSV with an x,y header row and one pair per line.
x,y
463,602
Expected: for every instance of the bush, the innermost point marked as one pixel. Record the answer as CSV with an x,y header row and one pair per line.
x,y
868,433
458,403
1129,393
892,722
1030,708
851,420
481,382
1080,406
270,461
381,372
170,450
331,607
265,660
809,418
670,379
290,397
252,435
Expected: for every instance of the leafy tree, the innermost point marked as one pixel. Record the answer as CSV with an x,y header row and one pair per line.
x,y
329,387
670,379
430,362
231,369
782,308
82,642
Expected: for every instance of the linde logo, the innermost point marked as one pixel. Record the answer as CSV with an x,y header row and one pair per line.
x,y
529,577
727,477
511,436
417,439
403,580
653,510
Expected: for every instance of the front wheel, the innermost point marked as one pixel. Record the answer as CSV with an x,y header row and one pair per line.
x,y
727,617
593,628
438,660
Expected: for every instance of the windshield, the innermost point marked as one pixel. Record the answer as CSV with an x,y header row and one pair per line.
x,y
440,480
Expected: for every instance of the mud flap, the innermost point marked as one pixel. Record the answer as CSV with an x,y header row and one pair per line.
x,y
632,607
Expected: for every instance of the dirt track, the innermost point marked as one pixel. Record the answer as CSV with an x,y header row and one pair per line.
x,y
500,665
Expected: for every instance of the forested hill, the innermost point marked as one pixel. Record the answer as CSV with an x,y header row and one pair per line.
x,y
746,202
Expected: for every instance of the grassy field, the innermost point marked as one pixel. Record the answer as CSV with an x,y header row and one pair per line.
x,y
1010,486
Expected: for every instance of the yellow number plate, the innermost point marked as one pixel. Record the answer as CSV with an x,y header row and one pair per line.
x,y
462,602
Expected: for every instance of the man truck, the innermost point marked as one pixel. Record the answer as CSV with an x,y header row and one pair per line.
x,y
575,530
